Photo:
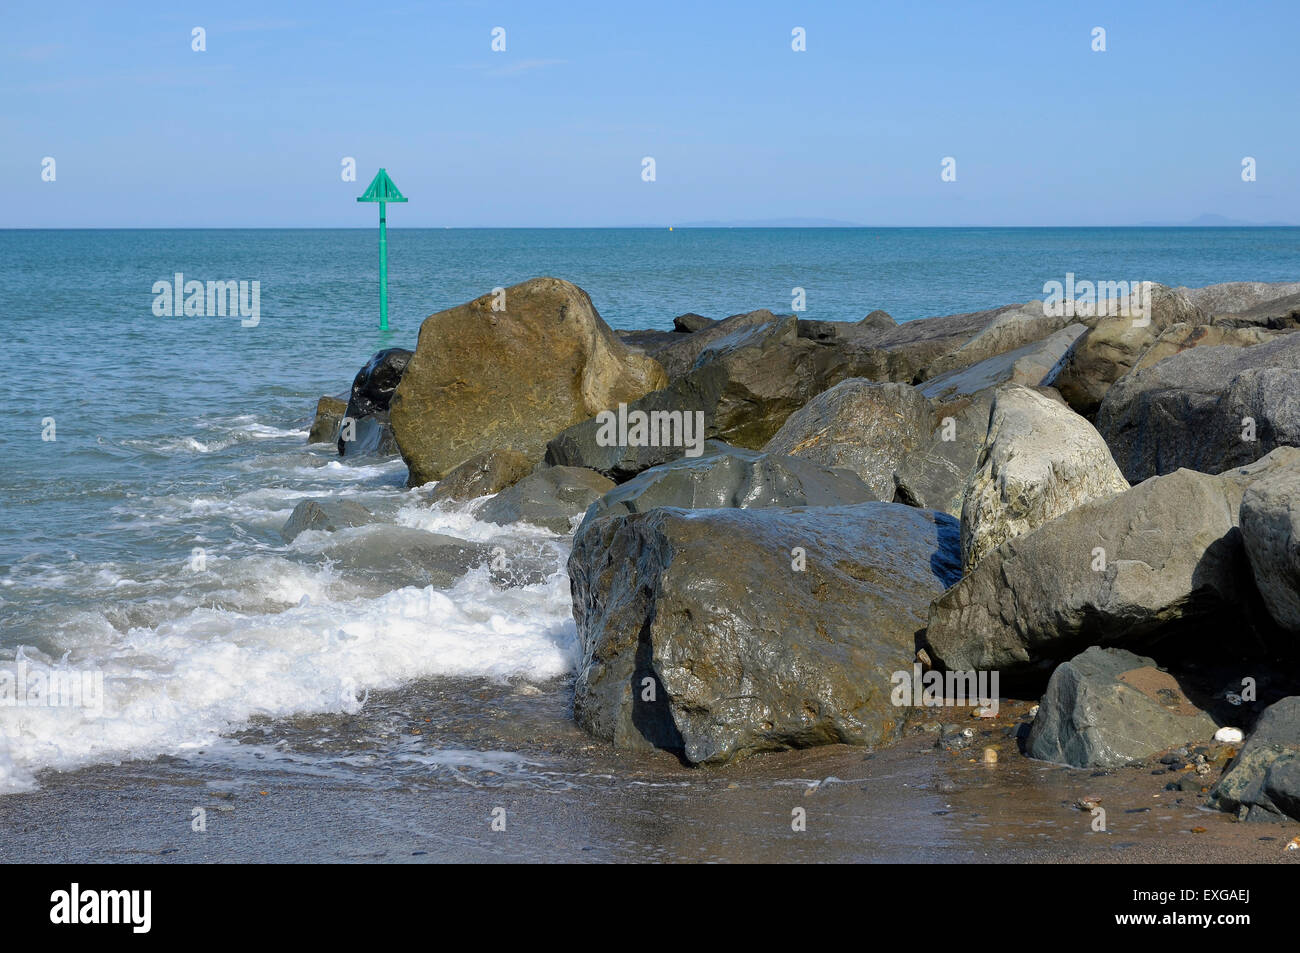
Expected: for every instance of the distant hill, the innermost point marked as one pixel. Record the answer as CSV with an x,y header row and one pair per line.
x,y
772,223
1215,221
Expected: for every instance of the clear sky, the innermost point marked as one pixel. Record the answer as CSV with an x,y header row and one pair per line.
x,y
552,131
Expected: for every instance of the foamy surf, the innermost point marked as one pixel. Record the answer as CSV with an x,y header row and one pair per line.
x,y
187,653
182,684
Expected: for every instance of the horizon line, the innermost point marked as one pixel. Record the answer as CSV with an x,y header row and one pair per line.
x,y
466,228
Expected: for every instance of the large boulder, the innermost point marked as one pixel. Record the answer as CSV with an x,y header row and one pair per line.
x,y
916,351
325,516
1239,297
1277,314
700,634
865,426
551,498
482,378
1114,344
1263,782
1270,530
1040,459
483,474
1108,707
734,477
366,427
1208,409
1035,364
1009,330
1162,558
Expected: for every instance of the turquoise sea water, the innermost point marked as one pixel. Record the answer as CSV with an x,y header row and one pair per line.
x,y
177,435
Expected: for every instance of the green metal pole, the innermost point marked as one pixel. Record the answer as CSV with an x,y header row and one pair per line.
x,y
383,267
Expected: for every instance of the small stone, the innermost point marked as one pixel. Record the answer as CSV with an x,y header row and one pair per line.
x,y
1087,803
990,756
1229,736
1033,713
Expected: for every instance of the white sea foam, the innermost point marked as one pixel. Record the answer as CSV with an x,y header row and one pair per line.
x,y
181,684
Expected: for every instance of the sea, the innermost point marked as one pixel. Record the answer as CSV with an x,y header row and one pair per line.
x,y
149,460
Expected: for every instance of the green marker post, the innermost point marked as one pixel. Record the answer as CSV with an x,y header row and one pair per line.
x,y
383,190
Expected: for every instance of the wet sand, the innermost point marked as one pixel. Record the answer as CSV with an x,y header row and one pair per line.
x,y
420,775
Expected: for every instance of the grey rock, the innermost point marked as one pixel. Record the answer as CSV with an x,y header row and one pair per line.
x,y
1191,409
1010,330
483,475
935,474
1278,314
1270,530
865,426
393,557
1039,460
1236,297
905,351
1160,559
1263,782
742,653
733,477
1034,364
549,498
1108,707
325,516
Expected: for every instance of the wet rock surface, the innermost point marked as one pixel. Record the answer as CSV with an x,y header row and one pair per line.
x,y
325,516
484,474
551,498
681,651
732,477
1263,783
1109,707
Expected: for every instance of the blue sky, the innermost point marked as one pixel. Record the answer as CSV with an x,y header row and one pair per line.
x,y
145,132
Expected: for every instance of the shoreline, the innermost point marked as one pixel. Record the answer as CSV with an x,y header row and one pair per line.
x,y
585,802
